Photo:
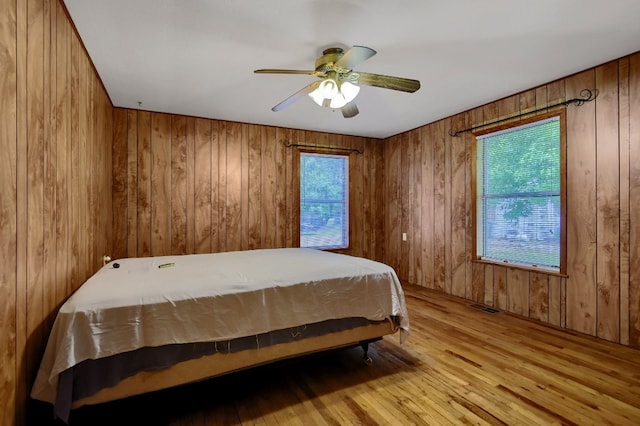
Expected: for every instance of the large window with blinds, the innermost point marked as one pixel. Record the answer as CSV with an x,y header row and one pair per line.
x,y
324,200
520,194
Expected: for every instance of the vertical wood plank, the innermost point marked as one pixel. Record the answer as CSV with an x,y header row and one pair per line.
x,y
500,287
448,192
120,187
489,283
94,199
379,173
563,302
215,186
93,178
607,203
555,300
518,291
8,208
469,143
160,184
556,92
49,160
295,171
439,209
368,232
291,179
404,201
234,186
478,281
357,190
268,191
581,216
105,124
527,100
132,183
86,165
282,136
244,214
144,184
191,180
416,205
222,185
62,146
35,309
634,201
255,172
427,216
625,220
393,157
22,208
508,107
178,186
203,181
459,195
490,112
541,96
475,118
75,50
106,133
539,296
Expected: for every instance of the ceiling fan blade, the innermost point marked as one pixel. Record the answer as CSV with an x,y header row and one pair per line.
x,y
349,110
385,81
279,71
354,57
296,96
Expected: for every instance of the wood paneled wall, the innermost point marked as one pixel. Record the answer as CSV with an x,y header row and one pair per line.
x,y
192,185
80,179
428,185
55,183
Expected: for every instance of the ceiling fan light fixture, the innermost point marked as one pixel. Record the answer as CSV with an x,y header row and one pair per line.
x,y
336,88
334,94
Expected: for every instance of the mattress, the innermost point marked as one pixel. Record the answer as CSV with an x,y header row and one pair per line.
x,y
133,304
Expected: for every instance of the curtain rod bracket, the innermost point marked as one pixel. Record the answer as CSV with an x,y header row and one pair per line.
x,y
586,95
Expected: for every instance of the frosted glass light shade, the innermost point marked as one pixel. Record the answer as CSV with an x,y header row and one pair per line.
x,y
338,101
349,91
317,97
325,92
328,88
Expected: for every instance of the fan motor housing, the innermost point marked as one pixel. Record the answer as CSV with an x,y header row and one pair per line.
x,y
329,57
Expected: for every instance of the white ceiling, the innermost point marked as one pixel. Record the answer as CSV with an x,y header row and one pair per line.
x,y
197,57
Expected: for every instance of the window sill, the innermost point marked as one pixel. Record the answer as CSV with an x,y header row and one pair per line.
x,y
522,267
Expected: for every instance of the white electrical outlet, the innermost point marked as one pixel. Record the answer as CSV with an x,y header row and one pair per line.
x,y
404,236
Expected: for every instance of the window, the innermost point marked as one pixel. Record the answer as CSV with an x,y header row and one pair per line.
x,y
520,195
324,200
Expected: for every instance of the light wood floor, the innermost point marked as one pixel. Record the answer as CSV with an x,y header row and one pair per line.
x,y
459,366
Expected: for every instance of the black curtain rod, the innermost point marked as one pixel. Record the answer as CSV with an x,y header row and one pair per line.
x,y
336,148
587,95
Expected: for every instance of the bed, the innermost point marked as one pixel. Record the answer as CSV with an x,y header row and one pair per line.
x,y
143,324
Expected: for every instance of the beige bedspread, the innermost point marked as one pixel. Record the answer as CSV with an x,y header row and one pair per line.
x,y
213,297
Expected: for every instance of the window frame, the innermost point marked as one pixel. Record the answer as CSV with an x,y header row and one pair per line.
x,y
561,114
296,192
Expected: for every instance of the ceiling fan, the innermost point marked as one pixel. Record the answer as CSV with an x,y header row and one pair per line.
x,y
339,82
